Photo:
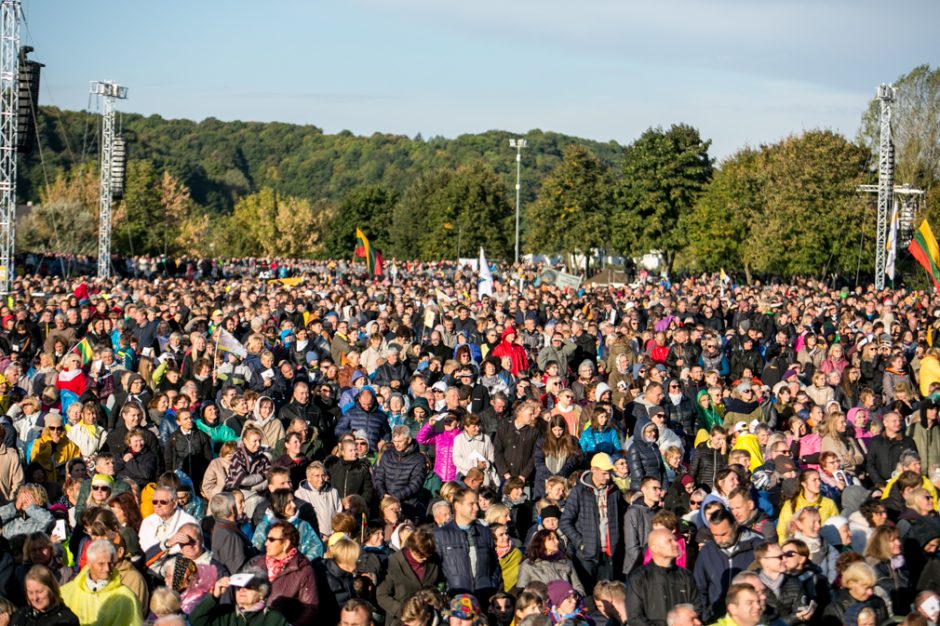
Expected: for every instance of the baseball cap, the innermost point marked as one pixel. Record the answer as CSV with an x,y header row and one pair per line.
x,y
602,461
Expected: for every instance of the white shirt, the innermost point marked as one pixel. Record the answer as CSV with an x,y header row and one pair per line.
x,y
154,530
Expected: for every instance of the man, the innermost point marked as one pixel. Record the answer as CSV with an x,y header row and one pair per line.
x,y
683,615
401,471
659,585
495,414
167,518
729,551
393,372
744,607
559,351
747,514
366,415
610,600
230,547
467,551
300,406
514,446
96,595
591,522
638,522
339,346
885,450
355,612
786,600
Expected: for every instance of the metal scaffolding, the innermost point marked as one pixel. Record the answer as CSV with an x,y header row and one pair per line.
x,y
9,106
109,92
886,94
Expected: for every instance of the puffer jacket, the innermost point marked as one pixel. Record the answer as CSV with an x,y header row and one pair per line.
x,y
706,463
580,519
294,591
644,459
369,418
453,548
351,477
607,441
637,524
652,591
401,474
715,567
544,570
33,519
682,414
443,442
782,605
834,614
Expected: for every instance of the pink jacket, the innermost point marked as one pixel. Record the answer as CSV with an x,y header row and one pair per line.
x,y
809,445
443,449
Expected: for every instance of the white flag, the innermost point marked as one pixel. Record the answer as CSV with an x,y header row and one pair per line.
x,y
485,284
892,242
227,343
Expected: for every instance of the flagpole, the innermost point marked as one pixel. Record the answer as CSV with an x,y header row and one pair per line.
x,y
215,357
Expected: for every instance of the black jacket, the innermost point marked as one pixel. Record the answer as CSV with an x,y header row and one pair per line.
x,y
308,412
580,521
229,545
190,453
401,474
401,582
784,604
453,549
334,586
652,591
834,614
351,477
59,615
883,455
706,463
514,449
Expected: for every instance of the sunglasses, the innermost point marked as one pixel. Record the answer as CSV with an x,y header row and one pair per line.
x,y
56,429
273,539
695,502
160,502
789,554
100,488
778,557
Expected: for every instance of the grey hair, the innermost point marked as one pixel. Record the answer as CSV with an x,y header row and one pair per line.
x,y
196,529
260,575
101,546
745,577
673,615
222,505
401,431
439,504
907,457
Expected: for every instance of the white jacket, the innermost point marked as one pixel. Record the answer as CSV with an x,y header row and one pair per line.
x,y
468,451
87,442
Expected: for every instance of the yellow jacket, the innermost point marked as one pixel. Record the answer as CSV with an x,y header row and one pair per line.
x,y
827,508
123,609
929,374
925,483
750,443
51,455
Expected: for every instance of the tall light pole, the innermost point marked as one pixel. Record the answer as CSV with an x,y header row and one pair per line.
x,y
518,144
109,92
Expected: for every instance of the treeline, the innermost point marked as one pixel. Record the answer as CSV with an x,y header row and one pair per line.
x,y
234,189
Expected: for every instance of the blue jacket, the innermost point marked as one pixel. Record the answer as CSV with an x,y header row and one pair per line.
x,y
370,419
580,521
715,567
606,441
644,459
401,474
453,548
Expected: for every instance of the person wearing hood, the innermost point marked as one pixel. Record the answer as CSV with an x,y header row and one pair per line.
x,y
668,438
263,418
211,424
401,471
508,347
367,416
643,456
248,469
134,391
591,522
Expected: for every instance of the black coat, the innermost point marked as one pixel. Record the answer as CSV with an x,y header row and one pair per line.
x,y
652,591
644,459
351,477
883,455
59,615
229,546
334,586
453,549
542,473
706,463
834,614
580,519
514,449
783,605
401,582
308,412
190,453
401,474
141,468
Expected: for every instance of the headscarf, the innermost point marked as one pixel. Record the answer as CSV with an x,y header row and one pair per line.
x,y
710,416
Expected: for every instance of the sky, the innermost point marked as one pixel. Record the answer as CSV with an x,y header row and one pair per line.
x,y
744,72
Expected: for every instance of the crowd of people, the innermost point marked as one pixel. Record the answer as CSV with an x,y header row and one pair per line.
x,y
323,446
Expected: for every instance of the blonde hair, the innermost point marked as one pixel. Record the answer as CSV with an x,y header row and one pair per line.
x,y
557,480
448,490
495,512
860,573
165,601
345,552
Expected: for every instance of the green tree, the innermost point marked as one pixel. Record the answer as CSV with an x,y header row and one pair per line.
x,y
569,214
139,220
369,208
663,174
268,224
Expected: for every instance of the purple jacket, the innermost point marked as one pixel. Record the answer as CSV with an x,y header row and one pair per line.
x,y
443,443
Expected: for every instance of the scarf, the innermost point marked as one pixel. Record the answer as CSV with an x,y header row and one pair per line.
x,y
815,545
416,567
276,566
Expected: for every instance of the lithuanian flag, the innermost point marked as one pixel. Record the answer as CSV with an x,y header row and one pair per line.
x,y
365,250
924,248
84,350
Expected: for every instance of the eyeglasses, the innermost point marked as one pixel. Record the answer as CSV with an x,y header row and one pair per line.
x,y
100,488
778,557
155,502
273,539
56,429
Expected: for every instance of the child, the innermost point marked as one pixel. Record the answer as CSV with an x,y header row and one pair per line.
x,y
565,604
669,521
556,491
519,510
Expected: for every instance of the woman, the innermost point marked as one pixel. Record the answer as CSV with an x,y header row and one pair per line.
x,y
796,560
284,508
87,434
125,509
72,378
708,416
884,554
575,418
925,431
265,420
859,419
210,424
556,454
848,389
474,448
293,458
870,515
836,439
293,584
896,373
545,561
509,556
336,572
858,591
808,496
491,378
805,525
819,392
139,463
249,468
412,568
742,406
45,606
38,549
835,360
443,442
216,473
643,455
27,513
600,435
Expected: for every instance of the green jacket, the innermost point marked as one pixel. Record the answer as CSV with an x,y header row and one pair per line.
x,y
210,613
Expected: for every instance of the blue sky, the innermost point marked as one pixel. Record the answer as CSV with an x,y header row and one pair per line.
x,y
742,71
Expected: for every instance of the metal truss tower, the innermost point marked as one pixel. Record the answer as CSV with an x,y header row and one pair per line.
x,y
9,106
109,92
886,94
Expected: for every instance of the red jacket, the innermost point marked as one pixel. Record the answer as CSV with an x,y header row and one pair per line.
x,y
514,351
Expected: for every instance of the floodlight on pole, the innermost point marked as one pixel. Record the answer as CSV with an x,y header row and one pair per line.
x,y
518,144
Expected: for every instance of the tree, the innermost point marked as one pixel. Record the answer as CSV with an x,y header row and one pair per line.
x,y
66,217
569,214
663,174
369,208
139,220
267,224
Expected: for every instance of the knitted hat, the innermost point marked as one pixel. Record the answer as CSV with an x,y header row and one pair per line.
x,y
551,511
559,591
102,479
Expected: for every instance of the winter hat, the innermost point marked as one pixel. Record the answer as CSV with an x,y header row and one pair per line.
x,y
551,511
852,498
686,480
600,390
102,479
466,607
559,591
